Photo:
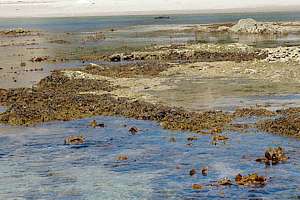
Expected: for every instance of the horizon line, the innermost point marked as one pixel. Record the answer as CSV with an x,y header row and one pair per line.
x,y
261,9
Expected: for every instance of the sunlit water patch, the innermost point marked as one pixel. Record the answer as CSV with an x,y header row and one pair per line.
x,y
35,163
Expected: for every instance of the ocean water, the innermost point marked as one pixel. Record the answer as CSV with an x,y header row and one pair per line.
x,y
35,164
74,24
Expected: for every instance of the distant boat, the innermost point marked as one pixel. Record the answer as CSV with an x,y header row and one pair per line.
x,y
162,17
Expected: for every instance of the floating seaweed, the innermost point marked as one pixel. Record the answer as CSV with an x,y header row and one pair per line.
x,y
273,156
74,140
250,180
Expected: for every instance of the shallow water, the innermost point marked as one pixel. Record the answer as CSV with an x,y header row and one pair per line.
x,y
36,165
130,33
198,94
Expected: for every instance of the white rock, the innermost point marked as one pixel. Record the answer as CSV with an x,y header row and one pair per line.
x,y
254,27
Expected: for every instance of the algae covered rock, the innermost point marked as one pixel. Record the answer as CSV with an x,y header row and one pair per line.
x,y
274,156
74,140
250,180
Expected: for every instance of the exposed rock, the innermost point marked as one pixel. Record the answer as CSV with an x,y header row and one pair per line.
x,y
63,96
74,140
192,52
192,172
225,182
217,138
39,59
204,171
273,156
16,32
287,125
250,180
94,124
283,54
248,112
253,27
133,130
193,138
223,28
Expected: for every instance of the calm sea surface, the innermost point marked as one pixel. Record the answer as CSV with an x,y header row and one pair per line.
x,y
96,23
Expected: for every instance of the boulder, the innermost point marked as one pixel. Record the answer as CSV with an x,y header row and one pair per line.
x,y
253,27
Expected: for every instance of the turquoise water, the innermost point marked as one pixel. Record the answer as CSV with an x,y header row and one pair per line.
x,y
36,165
95,23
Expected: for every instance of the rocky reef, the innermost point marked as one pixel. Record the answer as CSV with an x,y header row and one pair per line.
x,y
192,52
58,97
283,54
99,90
18,32
288,124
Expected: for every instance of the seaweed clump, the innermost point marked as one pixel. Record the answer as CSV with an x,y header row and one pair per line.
x,y
288,124
58,97
250,180
273,156
249,112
